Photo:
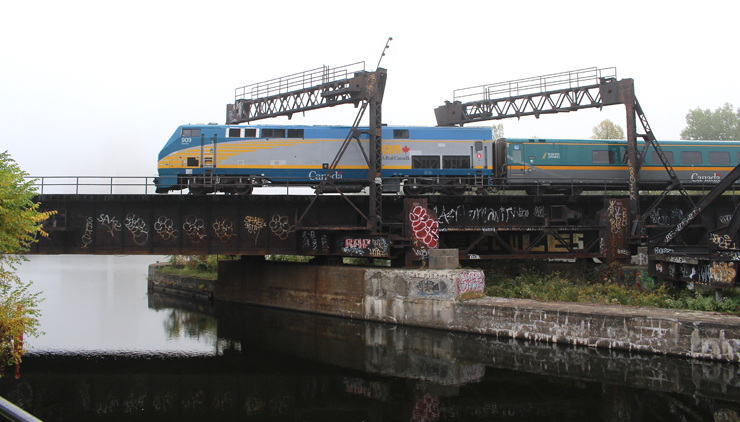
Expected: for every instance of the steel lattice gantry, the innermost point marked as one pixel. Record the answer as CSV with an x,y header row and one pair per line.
x,y
321,88
566,92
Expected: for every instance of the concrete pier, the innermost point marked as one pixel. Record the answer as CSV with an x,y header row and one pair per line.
x,y
431,298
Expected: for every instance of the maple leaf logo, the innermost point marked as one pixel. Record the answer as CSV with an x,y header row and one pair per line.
x,y
405,148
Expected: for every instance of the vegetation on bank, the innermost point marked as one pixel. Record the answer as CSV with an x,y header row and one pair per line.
x,y
607,284
583,282
20,226
203,266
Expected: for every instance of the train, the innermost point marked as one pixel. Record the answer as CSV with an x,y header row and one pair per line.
x,y
206,158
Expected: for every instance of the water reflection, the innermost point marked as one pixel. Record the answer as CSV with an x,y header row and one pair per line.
x,y
267,364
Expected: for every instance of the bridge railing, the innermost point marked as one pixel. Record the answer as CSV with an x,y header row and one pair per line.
x,y
93,185
138,185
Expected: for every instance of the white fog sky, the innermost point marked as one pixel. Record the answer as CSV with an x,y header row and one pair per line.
x,y
96,88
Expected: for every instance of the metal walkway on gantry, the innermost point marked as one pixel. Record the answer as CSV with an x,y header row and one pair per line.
x,y
320,88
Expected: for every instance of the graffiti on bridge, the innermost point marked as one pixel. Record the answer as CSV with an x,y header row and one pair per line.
x,y
280,226
254,225
424,227
165,228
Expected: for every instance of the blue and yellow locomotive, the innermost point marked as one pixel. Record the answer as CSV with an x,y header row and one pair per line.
x,y
417,160
237,158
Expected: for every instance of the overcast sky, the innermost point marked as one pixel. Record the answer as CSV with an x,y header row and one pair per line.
x,y
96,88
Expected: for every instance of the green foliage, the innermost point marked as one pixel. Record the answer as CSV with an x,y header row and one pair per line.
x,y
605,284
607,130
288,258
723,124
203,266
375,262
20,223
189,272
497,131
705,301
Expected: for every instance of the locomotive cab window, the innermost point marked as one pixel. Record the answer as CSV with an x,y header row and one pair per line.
x,y
234,133
425,162
655,159
295,133
401,134
455,162
719,157
250,133
691,157
603,157
188,133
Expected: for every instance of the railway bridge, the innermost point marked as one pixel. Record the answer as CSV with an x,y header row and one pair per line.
x,y
689,236
504,225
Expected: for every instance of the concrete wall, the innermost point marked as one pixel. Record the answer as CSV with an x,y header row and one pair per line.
x,y
334,290
430,298
192,287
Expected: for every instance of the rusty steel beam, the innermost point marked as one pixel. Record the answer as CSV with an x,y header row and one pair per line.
x,y
698,209
480,227
555,93
298,93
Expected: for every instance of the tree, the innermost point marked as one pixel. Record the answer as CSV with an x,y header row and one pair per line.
x,y
497,131
722,124
607,130
20,223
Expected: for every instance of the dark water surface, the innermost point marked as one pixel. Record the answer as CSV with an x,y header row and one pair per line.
x,y
113,353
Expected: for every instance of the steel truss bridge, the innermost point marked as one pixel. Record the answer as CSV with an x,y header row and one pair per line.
x,y
689,238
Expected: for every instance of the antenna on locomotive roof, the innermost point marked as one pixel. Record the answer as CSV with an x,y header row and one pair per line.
x,y
386,47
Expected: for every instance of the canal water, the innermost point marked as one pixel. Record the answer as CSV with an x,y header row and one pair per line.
x,y
111,352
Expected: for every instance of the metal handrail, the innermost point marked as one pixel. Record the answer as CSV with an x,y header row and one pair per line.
x,y
44,183
145,184
535,85
14,413
297,81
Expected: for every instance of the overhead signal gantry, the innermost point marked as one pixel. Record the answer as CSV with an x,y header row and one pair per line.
x,y
562,93
320,88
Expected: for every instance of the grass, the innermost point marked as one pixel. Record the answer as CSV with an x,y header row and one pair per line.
x,y
189,272
606,285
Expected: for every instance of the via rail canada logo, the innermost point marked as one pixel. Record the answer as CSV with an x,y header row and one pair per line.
x,y
395,152
696,177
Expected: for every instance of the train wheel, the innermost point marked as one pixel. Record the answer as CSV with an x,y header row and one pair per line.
x,y
243,189
457,190
197,186
196,190
413,190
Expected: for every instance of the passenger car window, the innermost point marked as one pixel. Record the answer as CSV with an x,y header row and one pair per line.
x,y
691,157
656,160
719,157
425,162
603,157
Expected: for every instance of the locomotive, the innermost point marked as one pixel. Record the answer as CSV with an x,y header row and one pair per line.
x,y
418,160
